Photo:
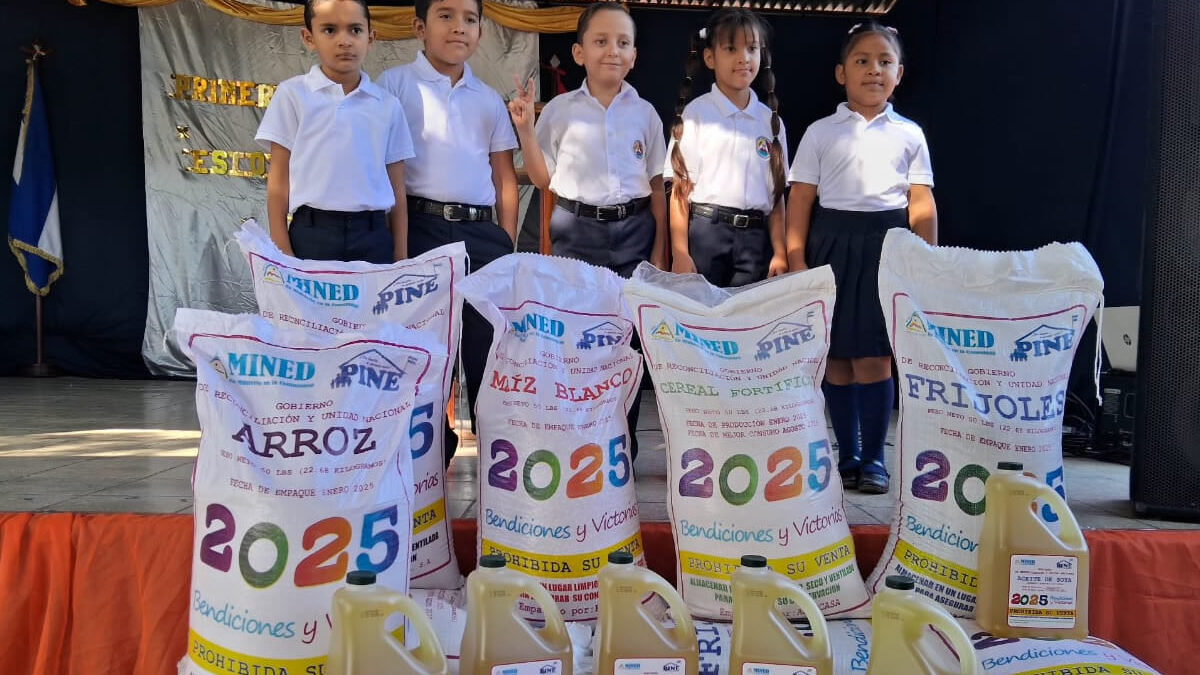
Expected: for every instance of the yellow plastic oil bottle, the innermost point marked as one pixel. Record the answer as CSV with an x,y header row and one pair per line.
x,y
497,640
632,640
765,643
900,641
1032,583
361,643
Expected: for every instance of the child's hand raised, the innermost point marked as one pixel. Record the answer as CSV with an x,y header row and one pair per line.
x,y
520,107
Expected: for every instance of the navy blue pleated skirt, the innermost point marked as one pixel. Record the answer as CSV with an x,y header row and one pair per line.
x,y
850,242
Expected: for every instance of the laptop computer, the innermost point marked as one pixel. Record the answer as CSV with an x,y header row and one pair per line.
x,y
1119,336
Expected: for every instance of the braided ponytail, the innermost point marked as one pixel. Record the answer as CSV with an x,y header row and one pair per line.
x,y
778,171
683,183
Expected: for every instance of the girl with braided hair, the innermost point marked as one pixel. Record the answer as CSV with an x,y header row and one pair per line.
x,y
727,158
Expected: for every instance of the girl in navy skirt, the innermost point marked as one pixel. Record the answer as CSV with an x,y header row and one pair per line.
x,y
857,173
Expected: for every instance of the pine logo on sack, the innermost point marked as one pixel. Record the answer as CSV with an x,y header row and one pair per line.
x,y
264,369
271,275
602,335
404,289
726,349
1042,341
371,369
536,324
784,336
960,340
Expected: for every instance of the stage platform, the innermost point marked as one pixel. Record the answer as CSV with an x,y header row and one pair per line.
x,y
107,592
79,445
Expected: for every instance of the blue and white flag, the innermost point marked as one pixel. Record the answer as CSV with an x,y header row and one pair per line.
x,y
33,230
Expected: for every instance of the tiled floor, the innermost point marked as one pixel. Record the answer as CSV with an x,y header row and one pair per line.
x,y
98,445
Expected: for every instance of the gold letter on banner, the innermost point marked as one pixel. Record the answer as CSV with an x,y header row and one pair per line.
x,y
221,91
227,163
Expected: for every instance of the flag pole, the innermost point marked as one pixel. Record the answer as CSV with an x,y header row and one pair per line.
x,y
39,368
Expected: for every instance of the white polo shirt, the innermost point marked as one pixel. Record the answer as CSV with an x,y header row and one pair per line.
x,y
601,156
454,130
340,143
862,166
727,152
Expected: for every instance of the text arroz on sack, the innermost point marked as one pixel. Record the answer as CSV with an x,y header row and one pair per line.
x,y
420,293
303,474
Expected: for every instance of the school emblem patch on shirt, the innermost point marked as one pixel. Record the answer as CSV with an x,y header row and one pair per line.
x,y
639,150
763,146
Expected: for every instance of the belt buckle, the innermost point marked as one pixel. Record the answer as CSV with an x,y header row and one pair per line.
x,y
448,213
740,220
618,209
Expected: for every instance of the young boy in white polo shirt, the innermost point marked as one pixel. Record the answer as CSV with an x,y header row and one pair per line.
x,y
601,150
338,144
463,172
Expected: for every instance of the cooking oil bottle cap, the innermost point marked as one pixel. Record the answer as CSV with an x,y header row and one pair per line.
x,y
900,582
360,578
1010,466
620,558
492,561
753,561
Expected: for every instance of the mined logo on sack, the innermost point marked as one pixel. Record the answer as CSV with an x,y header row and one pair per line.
x,y
537,324
784,336
371,369
962,340
602,335
404,289
1042,341
220,368
271,275
321,292
726,349
262,369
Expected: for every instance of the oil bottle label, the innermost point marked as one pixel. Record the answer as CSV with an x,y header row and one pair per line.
x,y
776,669
551,667
1042,591
648,666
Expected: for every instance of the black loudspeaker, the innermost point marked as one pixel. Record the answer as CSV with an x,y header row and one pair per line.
x,y
1165,472
1114,423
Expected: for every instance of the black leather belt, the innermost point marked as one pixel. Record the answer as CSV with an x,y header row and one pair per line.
x,y
346,216
739,218
604,213
448,211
